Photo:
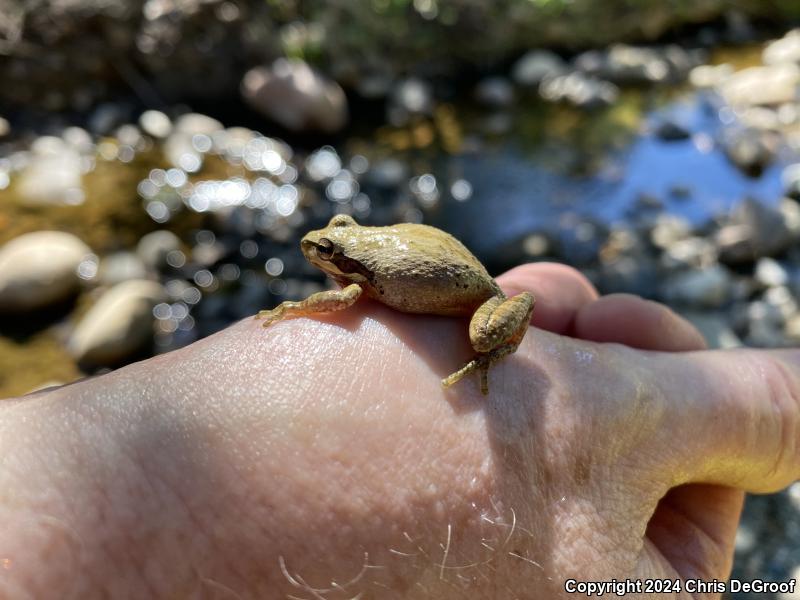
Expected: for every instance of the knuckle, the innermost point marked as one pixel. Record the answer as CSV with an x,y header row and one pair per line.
x,y
783,395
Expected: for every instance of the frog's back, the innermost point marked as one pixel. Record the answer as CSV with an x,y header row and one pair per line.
x,y
430,271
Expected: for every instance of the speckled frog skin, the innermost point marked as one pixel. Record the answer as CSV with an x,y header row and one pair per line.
x,y
415,269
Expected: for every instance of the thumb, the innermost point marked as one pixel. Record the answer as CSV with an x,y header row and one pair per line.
x,y
734,417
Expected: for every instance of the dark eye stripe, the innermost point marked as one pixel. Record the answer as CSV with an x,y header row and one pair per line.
x,y
325,248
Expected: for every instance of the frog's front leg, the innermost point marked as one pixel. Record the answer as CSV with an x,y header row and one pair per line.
x,y
321,302
496,330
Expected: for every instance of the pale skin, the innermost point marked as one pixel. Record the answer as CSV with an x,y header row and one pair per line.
x,y
321,458
416,269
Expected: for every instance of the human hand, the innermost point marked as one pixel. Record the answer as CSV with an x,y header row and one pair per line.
x,y
320,458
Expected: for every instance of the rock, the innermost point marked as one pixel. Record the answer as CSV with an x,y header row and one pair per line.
x,y
735,244
496,92
715,329
670,130
155,123
181,153
189,140
780,298
792,328
590,62
694,252
295,96
154,247
767,85
710,76
790,213
120,323
537,65
196,123
791,181
784,50
53,175
750,150
626,64
682,61
121,266
629,274
762,118
765,325
669,229
754,230
770,273
579,90
37,269
647,201
78,139
680,191
129,135
706,288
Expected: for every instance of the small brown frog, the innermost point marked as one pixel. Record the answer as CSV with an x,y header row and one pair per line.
x,y
414,269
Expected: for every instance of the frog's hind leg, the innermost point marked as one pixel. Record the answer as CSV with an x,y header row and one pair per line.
x,y
495,331
321,302
500,321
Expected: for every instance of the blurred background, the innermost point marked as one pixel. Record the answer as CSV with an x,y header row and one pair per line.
x,y
160,160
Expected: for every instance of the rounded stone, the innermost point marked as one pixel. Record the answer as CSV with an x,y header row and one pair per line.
x,y
121,266
154,247
296,96
40,268
119,323
155,123
535,66
197,124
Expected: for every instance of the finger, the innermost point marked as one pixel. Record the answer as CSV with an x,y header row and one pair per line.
x,y
694,527
636,322
560,291
730,417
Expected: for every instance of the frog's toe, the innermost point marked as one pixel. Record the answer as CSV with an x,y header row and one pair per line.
x,y
268,316
479,362
484,380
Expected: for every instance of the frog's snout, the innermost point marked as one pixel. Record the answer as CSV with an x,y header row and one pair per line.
x,y
308,248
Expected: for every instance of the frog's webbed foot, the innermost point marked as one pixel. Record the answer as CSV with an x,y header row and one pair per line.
x,y
495,331
321,302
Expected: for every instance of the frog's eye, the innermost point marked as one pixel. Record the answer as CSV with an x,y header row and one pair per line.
x,y
325,249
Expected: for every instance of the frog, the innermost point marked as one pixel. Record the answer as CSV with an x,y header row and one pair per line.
x,y
413,268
